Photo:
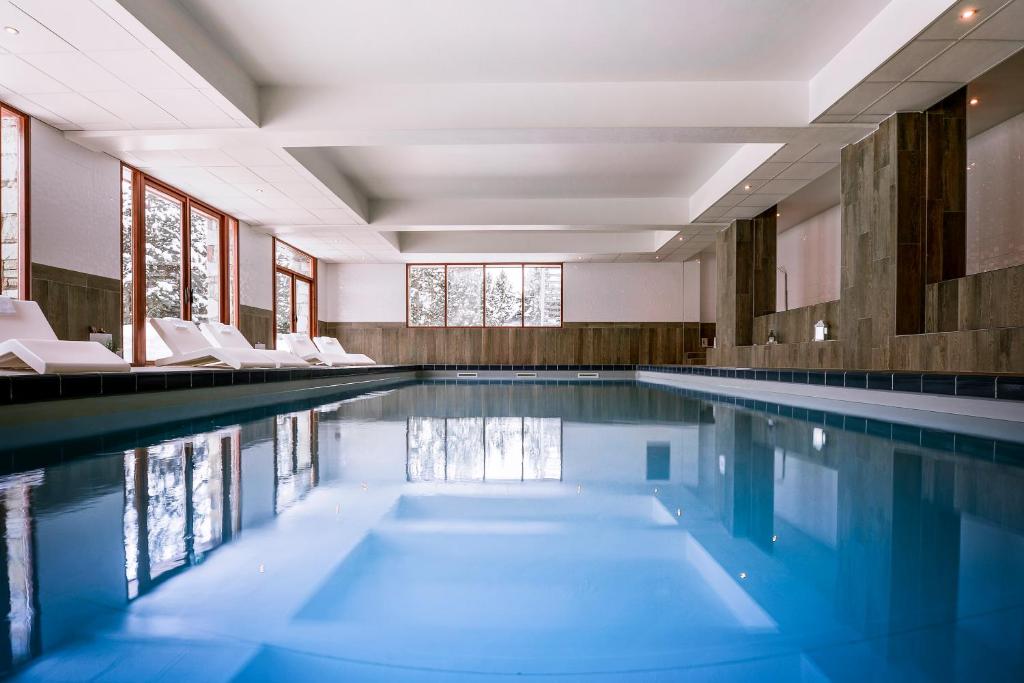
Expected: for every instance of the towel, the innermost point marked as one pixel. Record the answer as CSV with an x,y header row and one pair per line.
x,y
7,306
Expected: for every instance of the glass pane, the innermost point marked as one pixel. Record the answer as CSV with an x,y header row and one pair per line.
x,y
465,296
465,449
542,299
10,200
127,267
425,455
204,234
164,257
303,307
232,282
426,296
283,301
504,296
504,449
542,448
293,259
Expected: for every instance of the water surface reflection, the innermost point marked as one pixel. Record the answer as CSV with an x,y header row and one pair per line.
x,y
572,529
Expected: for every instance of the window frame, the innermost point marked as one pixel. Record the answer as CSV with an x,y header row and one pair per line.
x,y
312,280
24,202
522,265
229,300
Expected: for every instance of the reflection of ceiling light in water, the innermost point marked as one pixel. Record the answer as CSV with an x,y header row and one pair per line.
x,y
364,486
721,464
337,509
679,512
819,438
579,489
261,568
655,490
743,575
774,538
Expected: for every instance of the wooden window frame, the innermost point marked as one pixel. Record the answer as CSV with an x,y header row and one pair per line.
x,y
24,202
229,301
522,301
314,320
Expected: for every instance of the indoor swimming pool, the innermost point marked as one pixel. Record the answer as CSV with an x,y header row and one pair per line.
x,y
467,531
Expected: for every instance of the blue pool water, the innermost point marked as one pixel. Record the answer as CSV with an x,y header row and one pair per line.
x,y
483,532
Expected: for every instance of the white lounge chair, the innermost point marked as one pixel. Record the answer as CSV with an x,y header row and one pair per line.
x,y
228,337
303,347
330,346
27,342
190,348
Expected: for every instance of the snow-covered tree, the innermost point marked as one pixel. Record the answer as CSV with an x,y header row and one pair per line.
x,y
426,296
504,296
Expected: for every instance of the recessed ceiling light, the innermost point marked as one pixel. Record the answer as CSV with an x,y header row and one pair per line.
x,y
680,239
746,187
778,215
968,13
13,31
974,101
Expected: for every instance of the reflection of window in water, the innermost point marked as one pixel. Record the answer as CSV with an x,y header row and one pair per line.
x,y
165,511
22,615
295,458
181,500
484,449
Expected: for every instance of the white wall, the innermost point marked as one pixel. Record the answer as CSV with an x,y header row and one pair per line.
x,y
364,292
623,292
691,291
76,205
594,292
255,267
708,286
995,197
811,253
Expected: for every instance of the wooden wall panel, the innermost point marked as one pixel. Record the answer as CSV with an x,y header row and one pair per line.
x,y
257,325
764,279
976,302
73,301
572,344
946,188
797,325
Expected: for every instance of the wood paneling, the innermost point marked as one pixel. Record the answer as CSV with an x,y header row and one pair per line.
x,y
797,324
977,302
574,343
946,188
765,235
257,325
73,301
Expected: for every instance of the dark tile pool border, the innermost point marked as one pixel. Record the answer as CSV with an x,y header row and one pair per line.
x,y
995,450
18,389
1003,387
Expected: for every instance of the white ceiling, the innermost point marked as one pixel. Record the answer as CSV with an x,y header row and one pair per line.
x,y
489,41
390,130
76,67
551,170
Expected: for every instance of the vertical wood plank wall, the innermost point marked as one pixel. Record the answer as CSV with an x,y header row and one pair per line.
x,y
592,343
905,303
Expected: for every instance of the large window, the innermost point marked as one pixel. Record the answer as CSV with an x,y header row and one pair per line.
x,y
14,261
478,295
178,260
294,290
